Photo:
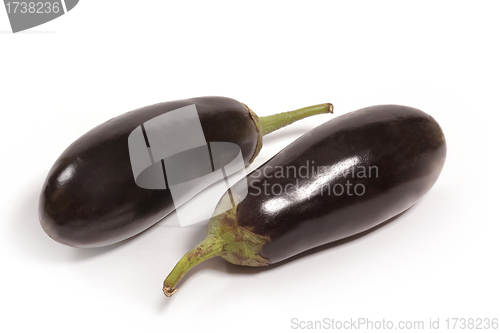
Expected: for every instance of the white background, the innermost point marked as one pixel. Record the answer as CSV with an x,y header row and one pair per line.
x,y
58,80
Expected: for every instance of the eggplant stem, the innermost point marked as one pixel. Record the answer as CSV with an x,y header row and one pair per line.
x,y
277,121
208,248
226,239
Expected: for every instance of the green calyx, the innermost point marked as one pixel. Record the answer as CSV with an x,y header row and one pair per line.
x,y
225,239
269,124
260,134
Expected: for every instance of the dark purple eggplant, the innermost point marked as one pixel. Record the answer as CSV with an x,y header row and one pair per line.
x,y
90,197
338,180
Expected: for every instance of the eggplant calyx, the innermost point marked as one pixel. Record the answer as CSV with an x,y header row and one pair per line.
x,y
260,134
226,239
240,246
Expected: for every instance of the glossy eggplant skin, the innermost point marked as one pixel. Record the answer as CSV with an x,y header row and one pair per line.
x,y
90,198
407,147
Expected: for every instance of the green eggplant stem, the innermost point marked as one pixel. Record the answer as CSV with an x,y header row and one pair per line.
x,y
277,121
225,239
208,248
266,125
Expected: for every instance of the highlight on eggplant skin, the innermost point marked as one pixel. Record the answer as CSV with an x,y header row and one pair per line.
x,y
90,197
389,156
394,155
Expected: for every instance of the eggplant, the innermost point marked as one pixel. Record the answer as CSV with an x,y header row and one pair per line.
x,y
90,197
338,180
